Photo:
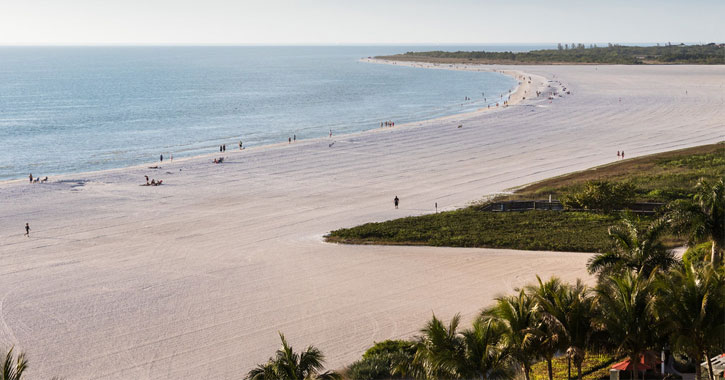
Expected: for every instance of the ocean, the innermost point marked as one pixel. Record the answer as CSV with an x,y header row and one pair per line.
x,y
78,109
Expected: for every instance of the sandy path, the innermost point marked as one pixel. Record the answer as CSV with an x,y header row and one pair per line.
x,y
194,278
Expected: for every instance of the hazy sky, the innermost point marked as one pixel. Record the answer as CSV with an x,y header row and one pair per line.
x,y
44,22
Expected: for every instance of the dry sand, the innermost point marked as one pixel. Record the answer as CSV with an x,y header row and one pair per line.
x,y
194,278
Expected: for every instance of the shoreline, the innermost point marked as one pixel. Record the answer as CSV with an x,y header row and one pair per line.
x,y
195,278
516,95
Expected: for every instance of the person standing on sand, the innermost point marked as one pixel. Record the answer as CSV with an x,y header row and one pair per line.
x,y
617,154
289,140
161,158
31,177
396,201
294,137
27,229
623,155
240,144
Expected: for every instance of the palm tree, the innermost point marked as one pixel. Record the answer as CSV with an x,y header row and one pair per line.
x,y
624,303
572,307
485,355
690,303
703,218
639,251
549,329
517,316
438,351
444,352
13,367
289,365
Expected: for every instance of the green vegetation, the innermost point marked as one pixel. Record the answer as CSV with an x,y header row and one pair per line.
x,y
578,53
471,227
594,366
663,177
600,196
289,365
13,367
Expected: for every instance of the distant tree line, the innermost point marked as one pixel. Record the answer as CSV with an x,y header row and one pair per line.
x,y
580,53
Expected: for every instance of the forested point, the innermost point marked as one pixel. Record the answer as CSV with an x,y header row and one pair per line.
x,y
709,54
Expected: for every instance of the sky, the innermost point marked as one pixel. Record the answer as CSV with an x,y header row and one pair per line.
x,y
324,22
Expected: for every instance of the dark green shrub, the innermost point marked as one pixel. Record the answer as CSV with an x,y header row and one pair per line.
x,y
390,346
600,195
379,366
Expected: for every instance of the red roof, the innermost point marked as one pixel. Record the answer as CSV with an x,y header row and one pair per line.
x,y
649,360
626,365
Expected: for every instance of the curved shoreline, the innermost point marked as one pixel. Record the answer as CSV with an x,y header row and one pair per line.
x,y
515,97
194,278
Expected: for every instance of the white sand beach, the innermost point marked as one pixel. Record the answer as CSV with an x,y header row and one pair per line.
x,y
194,278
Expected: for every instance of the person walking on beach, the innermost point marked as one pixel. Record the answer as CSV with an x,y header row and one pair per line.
x,y
623,155
161,157
31,177
294,137
220,148
330,133
289,140
240,144
618,154
396,201
27,229
224,148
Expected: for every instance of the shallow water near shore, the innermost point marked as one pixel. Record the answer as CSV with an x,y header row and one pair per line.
x,y
78,109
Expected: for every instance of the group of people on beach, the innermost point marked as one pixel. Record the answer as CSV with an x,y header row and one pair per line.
x,y
387,124
153,182
37,179
294,138
620,154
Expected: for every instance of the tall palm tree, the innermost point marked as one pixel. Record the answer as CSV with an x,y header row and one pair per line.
x,y
13,367
550,331
634,249
517,316
485,357
690,303
624,303
442,352
703,218
289,365
572,306
438,351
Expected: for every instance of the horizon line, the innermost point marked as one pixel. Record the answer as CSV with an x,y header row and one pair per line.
x,y
212,44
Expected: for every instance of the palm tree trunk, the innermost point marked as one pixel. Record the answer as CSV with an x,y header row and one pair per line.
x,y
548,367
526,372
568,367
715,254
579,371
698,369
711,375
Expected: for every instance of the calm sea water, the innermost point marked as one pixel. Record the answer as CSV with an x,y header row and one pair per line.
x,y
75,109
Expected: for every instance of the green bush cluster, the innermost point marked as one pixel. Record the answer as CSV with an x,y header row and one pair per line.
x,y
600,196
